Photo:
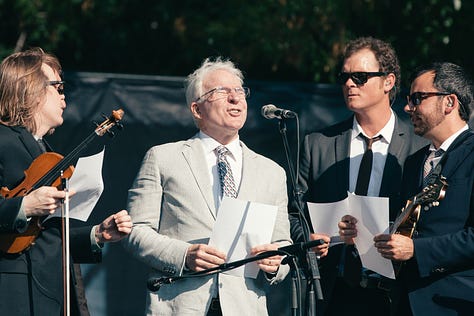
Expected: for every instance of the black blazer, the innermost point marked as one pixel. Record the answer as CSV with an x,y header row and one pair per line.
x,y
324,178
439,278
42,261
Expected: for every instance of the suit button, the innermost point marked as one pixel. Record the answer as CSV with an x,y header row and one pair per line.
x,y
415,233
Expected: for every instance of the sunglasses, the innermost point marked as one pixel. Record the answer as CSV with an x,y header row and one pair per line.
x,y
416,98
59,85
358,77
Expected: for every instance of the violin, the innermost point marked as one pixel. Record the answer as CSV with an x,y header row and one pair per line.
x,y
48,169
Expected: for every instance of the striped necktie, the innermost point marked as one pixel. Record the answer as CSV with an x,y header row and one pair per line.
x,y
225,173
429,165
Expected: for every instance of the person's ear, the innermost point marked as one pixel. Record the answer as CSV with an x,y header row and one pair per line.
x,y
450,102
389,82
195,110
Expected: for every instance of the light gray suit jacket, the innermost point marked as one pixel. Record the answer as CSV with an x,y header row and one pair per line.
x,y
172,206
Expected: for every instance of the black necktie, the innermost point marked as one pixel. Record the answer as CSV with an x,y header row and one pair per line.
x,y
350,265
365,168
41,145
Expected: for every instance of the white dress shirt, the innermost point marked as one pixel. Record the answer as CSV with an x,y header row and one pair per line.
x,y
234,159
380,151
445,145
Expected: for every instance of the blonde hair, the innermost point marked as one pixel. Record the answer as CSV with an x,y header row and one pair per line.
x,y
22,83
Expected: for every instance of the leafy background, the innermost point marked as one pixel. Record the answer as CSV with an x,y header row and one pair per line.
x,y
290,40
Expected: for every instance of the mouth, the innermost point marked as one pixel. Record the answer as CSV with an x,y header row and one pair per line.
x,y
234,111
414,119
352,94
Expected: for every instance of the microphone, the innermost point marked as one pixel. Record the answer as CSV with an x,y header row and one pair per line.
x,y
154,284
301,247
270,111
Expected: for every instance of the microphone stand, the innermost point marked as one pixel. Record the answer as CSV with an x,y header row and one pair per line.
x,y
155,284
312,271
289,252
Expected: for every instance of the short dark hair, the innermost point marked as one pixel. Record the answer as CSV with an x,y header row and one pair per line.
x,y
451,78
384,54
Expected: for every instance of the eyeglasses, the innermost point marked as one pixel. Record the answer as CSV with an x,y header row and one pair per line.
x,y
358,77
416,98
59,85
225,91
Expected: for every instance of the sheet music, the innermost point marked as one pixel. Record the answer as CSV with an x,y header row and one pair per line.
x,y
87,182
241,225
372,215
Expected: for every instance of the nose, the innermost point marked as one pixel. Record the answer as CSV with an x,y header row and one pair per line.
x,y
233,97
350,83
408,108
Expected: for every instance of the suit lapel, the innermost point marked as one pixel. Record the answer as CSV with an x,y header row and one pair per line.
x,y
193,153
396,149
28,141
342,153
249,172
457,153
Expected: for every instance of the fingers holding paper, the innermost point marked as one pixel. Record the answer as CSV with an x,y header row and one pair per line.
x,y
347,229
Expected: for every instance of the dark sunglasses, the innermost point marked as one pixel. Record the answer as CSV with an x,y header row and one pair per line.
x,y
416,98
358,77
59,85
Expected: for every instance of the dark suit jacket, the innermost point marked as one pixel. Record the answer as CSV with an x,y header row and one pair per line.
x,y
440,278
42,261
324,178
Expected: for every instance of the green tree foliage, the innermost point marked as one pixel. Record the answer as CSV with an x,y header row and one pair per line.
x,y
270,39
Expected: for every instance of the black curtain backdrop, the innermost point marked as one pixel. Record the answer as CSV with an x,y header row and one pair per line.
x,y
156,113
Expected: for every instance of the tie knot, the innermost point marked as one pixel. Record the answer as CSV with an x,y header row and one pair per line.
x,y
222,151
435,154
370,141
439,153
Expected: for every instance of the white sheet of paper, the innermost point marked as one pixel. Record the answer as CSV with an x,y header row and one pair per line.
x,y
241,225
87,182
325,217
372,215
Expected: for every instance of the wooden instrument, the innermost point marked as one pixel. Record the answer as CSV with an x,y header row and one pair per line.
x,y
47,170
405,223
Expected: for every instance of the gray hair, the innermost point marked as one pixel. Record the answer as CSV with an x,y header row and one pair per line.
x,y
193,83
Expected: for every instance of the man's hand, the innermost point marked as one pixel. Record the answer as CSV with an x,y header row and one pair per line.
x,y
202,257
43,201
270,264
347,229
394,247
321,250
114,227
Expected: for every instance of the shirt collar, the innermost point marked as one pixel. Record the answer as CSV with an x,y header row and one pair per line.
x,y
445,145
210,144
386,131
